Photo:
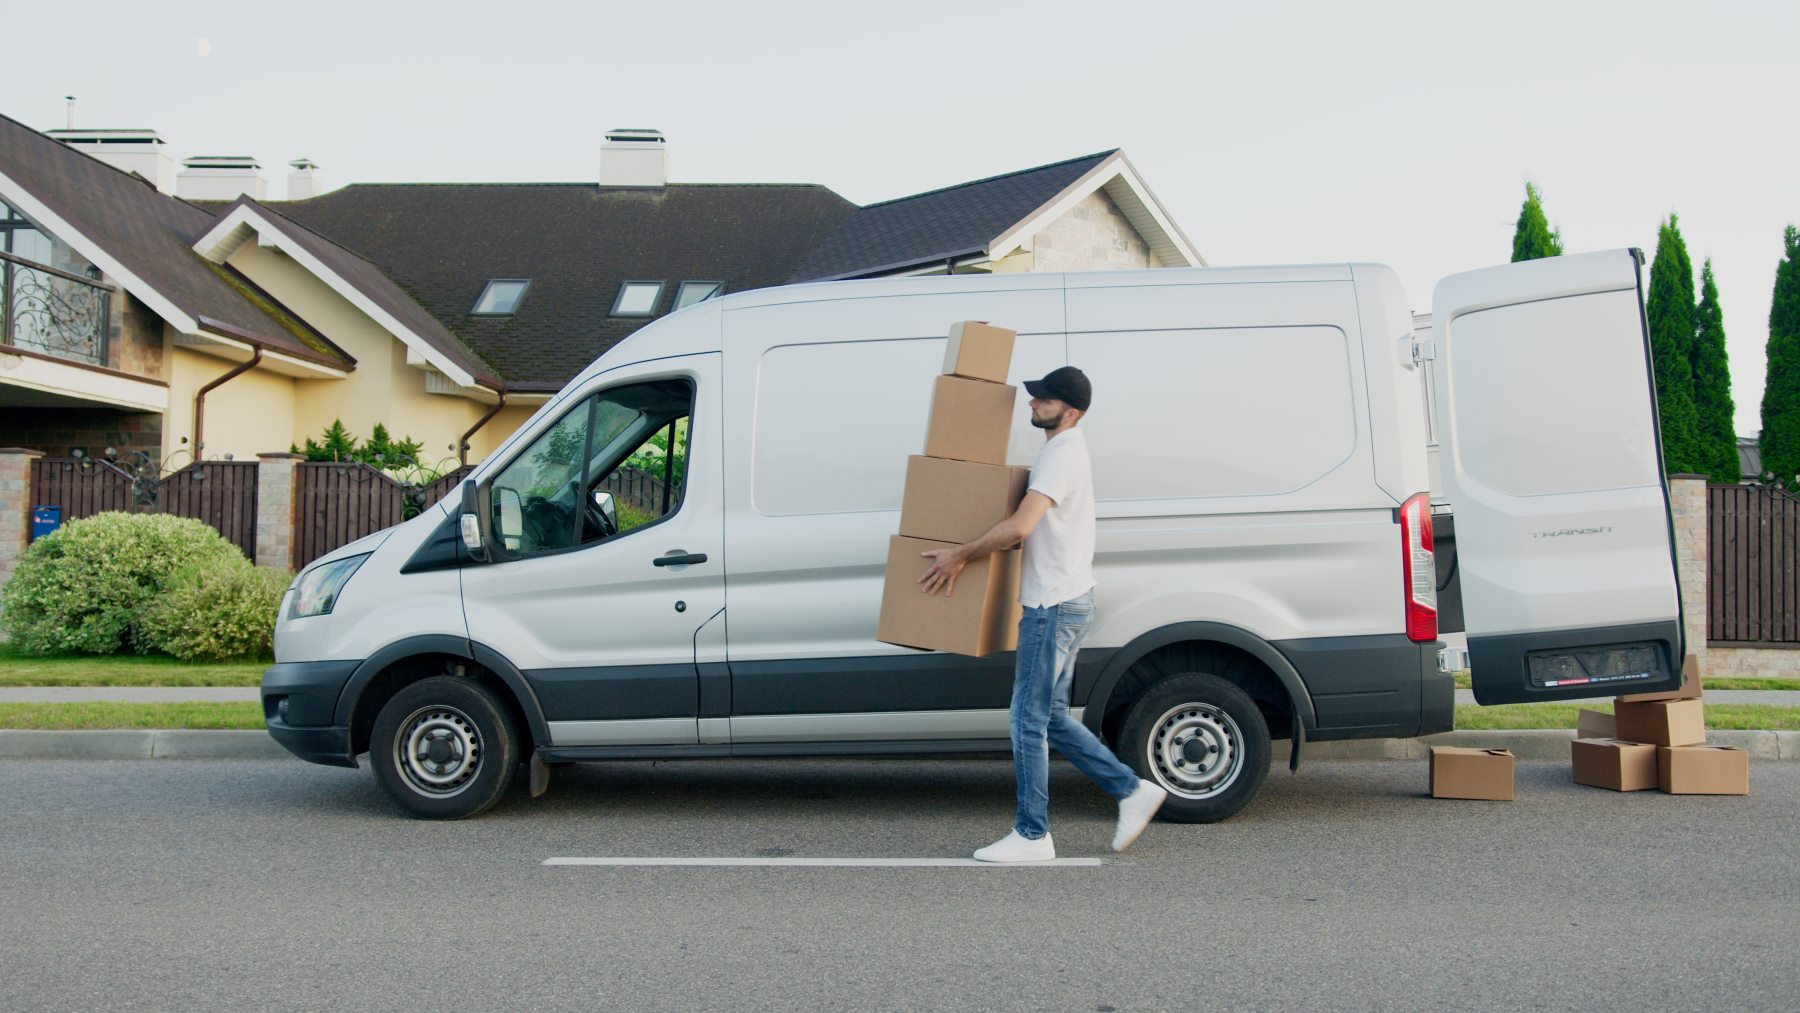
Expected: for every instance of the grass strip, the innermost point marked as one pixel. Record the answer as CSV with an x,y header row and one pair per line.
x,y
20,669
1710,682
1719,716
88,716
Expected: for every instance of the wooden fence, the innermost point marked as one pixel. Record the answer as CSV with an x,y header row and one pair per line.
x,y
1752,591
220,493
336,503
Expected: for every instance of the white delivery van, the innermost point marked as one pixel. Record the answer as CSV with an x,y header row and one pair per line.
x,y
1265,555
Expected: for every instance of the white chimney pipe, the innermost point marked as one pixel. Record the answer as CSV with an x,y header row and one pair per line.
x,y
304,181
71,123
220,177
139,151
634,158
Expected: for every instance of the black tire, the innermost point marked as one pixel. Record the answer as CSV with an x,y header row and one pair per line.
x,y
1203,740
444,748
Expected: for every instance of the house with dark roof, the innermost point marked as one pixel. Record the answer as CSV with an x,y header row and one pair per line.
x,y
186,317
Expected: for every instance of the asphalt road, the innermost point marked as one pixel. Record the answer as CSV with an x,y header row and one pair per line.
x,y
211,884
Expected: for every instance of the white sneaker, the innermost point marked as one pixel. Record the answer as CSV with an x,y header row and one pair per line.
x,y
1135,811
1013,848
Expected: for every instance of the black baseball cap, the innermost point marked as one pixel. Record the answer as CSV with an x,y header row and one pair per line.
x,y
1067,384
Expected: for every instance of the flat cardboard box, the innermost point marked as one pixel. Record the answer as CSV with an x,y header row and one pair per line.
x,y
1595,725
1690,686
1661,722
1613,763
981,617
1459,772
971,420
1703,770
955,501
979,350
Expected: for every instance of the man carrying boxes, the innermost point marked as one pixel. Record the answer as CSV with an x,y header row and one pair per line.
x,y
1055,521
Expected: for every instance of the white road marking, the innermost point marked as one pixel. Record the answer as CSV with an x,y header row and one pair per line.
x,y
846,863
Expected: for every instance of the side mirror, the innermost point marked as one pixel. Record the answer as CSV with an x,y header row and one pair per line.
x,y
474,535
603,501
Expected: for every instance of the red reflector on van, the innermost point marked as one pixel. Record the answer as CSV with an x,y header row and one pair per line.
x,y
1418,564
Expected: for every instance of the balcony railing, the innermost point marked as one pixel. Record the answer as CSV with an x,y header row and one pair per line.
x,y
51,311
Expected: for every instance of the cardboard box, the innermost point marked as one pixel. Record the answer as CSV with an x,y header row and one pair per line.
x,y
1703,770
1614,763
1595,725
955,501
980,618
1457,772
971,420
1690,686
1662,722
979,351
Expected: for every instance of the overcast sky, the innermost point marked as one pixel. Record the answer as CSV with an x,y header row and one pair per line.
x,y
1273,133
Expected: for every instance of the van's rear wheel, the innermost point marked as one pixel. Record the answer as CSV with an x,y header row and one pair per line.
x,y
444,748
1203,740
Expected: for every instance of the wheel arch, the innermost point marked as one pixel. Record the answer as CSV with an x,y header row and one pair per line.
x,y
407,661
1106,699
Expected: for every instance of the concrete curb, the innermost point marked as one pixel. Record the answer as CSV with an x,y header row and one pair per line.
x,y
177,744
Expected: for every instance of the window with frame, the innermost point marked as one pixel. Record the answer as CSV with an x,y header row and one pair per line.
x,y
612,464
637,299
692,292
501,297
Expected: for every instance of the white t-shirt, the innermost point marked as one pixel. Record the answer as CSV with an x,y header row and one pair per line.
x,y
1059,552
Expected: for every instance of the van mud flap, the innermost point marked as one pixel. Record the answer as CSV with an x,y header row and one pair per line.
x,y
1299,739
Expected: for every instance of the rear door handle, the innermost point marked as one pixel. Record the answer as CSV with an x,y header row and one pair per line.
x,y
679,558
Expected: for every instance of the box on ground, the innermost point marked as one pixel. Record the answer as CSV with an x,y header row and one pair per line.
x,y
1662,722
979,351
980,618
1614,763
1458,772
971,420
1690,686
956,501
1595,725
1703,770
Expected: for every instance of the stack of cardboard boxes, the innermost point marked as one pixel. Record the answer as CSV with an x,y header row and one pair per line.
x,y
958,489
1657,740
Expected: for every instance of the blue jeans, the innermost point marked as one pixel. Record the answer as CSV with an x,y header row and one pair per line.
x,y
1048,640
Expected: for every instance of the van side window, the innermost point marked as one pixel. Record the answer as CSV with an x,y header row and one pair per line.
x,y
613,463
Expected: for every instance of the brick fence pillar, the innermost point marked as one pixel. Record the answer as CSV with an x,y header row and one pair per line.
x,y
275,510
1687,501
15,507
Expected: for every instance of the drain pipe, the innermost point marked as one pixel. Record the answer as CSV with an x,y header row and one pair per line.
x,y
462,444
200,399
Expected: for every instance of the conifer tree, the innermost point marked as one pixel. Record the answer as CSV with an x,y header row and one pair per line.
x,y
1670,308
1781,385
1534,238
1711,366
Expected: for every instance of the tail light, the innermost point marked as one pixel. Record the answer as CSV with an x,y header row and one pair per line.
x,y
1418,565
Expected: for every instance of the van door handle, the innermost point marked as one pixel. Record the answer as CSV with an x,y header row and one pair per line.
x,y
676,557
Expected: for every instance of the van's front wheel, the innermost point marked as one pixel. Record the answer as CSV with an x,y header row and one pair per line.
x,y
444,748
1203,740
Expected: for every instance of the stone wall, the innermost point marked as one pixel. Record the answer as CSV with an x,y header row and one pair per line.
x,y
58,431
1687,501
1093,236
134,337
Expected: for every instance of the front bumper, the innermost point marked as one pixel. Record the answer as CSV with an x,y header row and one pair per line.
x,y
300,705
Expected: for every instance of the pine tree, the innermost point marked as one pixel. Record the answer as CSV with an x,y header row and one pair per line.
x,y
338,444
1670,307
1711,366
1781,386
1534,238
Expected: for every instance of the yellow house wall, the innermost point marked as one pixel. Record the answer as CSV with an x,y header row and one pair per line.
x,y
252,413
382,388
498,429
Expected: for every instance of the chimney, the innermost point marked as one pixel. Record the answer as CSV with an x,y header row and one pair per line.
x,y
304,181
220,177
139,151
634,158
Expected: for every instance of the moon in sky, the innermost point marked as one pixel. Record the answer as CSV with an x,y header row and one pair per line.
x,y
204,47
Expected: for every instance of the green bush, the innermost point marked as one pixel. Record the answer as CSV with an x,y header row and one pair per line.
x,y
87,586
218,611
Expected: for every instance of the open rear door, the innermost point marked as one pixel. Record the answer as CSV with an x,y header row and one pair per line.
x,y
1552,463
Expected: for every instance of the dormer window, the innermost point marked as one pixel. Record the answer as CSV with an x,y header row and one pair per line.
x,y
692,292
637,299
501,297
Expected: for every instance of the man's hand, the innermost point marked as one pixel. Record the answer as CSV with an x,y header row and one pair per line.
x,y
947,563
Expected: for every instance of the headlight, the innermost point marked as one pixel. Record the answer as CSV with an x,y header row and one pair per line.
x,y
317,590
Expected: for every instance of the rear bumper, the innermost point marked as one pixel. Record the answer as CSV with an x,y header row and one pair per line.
x,y
299,707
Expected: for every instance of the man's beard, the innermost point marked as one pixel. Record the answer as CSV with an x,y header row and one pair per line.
x,y
1050,423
